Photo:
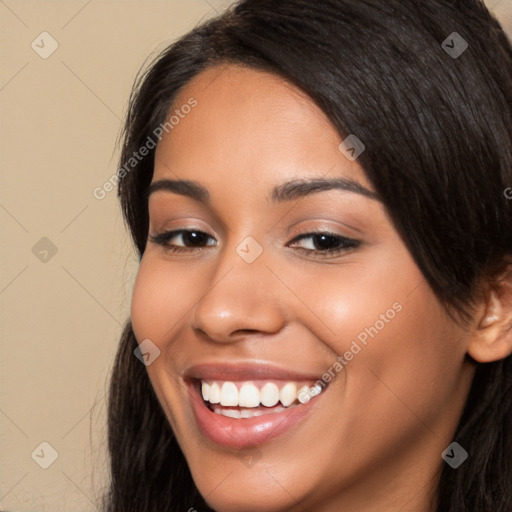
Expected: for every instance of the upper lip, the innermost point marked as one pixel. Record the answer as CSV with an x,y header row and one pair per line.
x,y
244,371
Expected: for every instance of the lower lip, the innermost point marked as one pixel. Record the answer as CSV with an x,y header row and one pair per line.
x,y
245,432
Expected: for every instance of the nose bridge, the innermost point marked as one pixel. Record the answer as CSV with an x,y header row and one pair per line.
x,y
242,295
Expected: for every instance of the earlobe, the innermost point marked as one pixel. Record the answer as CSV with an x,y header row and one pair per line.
x,y
492,339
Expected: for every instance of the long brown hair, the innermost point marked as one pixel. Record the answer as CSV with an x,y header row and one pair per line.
x,y
438,135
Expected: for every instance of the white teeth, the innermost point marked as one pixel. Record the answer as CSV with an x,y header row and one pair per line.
x,y
231,413
205,389
315,390
303,395
269,394
247,413
249,395
229,394
288,394
214,393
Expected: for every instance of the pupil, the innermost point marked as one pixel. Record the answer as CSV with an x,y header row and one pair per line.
x,y
324,241
194,238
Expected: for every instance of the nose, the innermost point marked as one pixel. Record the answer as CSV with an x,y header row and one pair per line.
x,y
242,299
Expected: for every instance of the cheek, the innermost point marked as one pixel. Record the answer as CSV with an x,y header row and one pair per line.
x,y
356,300
159,299
387,332
143,300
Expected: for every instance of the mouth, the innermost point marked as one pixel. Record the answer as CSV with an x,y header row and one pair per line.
x,y
244,412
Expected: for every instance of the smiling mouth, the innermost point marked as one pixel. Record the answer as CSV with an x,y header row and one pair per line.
x,y
249,399
249,404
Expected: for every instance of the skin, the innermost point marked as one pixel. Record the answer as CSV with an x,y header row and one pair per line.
x,y
375,444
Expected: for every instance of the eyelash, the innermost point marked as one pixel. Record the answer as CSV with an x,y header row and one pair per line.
x,y
347,244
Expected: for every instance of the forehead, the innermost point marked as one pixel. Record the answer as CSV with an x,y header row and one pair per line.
x,y
249,125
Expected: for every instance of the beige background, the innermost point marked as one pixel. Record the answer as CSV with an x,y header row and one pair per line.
x,y
61,314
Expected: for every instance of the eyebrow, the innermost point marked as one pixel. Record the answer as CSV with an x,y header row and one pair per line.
x,y
182,187
288,191
299,188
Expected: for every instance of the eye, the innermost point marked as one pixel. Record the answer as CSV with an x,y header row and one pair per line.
x,y
316,244
182,240
322,244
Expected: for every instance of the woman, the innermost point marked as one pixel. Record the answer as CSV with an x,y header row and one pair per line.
x,y
323,305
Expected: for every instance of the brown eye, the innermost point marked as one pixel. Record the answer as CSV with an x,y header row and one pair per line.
x,y
182,239
327,243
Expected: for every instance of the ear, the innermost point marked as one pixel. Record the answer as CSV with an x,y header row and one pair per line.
x,y
492,338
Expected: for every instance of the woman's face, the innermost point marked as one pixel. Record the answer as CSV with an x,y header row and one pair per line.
x,y
276,285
